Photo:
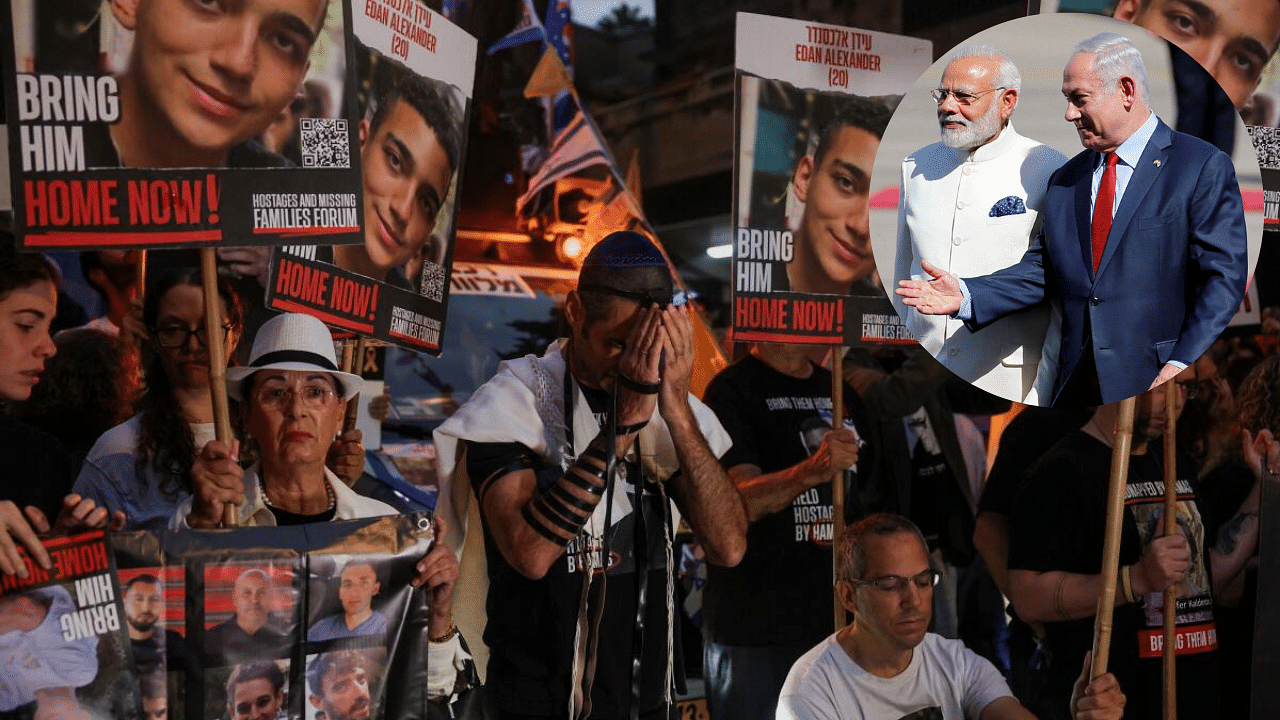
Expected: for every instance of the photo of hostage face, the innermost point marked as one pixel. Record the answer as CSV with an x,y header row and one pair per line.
x,y
409,150
252,597
358,584
1232,39
143,603
255,691
204,77
831,248
339,684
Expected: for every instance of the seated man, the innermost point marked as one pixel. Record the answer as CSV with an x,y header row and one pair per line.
x,y
870,668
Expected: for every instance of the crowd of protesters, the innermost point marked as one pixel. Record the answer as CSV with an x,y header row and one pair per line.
x,y
115,431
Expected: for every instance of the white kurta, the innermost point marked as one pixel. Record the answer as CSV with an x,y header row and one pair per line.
x,y
948,214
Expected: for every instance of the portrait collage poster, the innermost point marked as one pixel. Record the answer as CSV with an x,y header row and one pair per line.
x,y
62,643
415,72
157,125
806,275
268,622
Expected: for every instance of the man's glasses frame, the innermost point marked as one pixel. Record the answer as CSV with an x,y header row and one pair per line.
x,y
940,95
176,336
897,583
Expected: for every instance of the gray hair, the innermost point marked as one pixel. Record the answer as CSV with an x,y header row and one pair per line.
x,y
1007,74
258,572
851,556
1115,56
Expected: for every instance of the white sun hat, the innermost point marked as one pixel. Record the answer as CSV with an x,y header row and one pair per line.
x,y
292,341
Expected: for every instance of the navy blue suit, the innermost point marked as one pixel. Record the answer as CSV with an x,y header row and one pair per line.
x,y
1172,274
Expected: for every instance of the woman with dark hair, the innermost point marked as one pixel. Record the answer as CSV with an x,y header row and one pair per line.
x,y
36,473
143,466
89,387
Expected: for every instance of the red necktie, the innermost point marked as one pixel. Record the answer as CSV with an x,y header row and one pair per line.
x,y
1102,209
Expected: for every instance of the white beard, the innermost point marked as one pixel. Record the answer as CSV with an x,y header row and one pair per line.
x,y
975,132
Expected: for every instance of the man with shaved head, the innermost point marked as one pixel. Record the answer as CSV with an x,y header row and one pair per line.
x,y
970,204
248,634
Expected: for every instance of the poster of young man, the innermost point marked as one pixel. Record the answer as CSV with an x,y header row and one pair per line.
x,y
63,646
416,71
812,104
264,605
173,123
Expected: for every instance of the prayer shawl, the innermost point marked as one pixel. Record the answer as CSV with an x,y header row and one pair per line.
x,y
524,403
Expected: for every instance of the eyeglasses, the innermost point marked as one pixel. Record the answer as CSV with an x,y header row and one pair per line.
x,y
964,98
176,336
314,396
897,583
1190,389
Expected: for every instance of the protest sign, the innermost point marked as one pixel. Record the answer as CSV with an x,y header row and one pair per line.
x,y
812,101
272,615
415,73
62,644
161,124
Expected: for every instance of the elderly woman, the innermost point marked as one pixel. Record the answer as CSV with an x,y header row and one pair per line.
x,y
292,399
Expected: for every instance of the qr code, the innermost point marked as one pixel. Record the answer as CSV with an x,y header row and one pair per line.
x,y
325,143
432,281
1266,142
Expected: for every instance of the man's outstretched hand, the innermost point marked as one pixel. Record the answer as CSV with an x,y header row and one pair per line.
x,y
939,296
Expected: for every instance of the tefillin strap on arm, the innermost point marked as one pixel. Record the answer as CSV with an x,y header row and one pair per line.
x,y
557,512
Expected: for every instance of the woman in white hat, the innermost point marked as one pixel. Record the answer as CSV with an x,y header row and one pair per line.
x,y
293,398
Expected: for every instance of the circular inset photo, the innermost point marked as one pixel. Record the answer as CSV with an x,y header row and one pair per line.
x,y
1059,240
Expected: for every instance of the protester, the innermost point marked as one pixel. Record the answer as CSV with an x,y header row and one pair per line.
x,y
1056,538
764,613
89,387
37,473
142,467
537,456
292,401
885,664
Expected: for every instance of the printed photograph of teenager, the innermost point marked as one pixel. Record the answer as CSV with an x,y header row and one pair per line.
x,y
816,190
411,139
195,83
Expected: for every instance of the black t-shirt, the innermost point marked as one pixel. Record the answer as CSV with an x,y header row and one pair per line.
x,y
532,623
933,486
37,468
1058,523
780,594
150,655
1029,435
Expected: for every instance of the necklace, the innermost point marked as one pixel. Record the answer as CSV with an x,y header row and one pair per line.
x,y
328,491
